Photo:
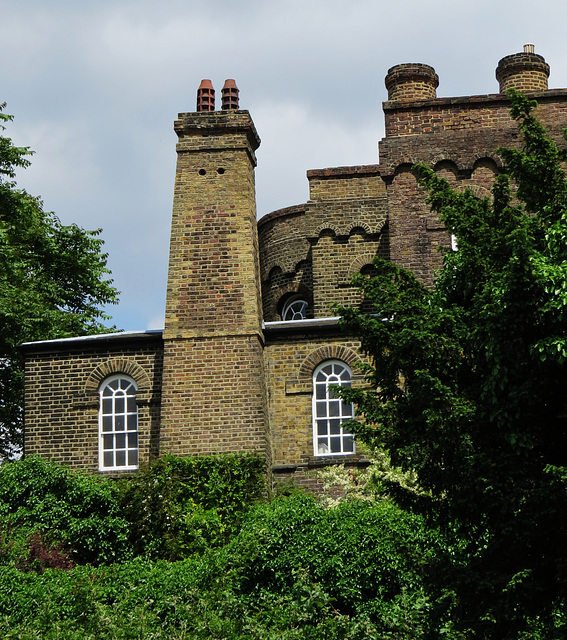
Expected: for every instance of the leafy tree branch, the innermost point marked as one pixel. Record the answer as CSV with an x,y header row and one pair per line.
x,y
467,381
54,282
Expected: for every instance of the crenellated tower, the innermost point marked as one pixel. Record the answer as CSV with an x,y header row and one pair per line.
x,y
458,137
214,397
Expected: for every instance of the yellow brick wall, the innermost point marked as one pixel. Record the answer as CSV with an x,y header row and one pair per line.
x,y
290,363
62,398
214,396
316,248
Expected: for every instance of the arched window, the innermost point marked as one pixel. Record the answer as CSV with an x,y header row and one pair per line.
x,y
118,424
330,412
295,308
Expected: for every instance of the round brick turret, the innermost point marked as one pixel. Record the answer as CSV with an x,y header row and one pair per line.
x,y
526,71
412,81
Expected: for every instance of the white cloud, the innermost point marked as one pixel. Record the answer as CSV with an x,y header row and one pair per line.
x,y
294,140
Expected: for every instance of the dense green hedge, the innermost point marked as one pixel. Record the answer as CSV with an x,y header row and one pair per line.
x,y
51,516
50,508
83,558
296,570
180,506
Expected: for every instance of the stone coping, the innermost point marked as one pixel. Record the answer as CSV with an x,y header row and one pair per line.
x,y
402,105
99,337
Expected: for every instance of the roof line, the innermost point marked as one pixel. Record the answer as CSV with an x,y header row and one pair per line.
x,y
98,336
297,324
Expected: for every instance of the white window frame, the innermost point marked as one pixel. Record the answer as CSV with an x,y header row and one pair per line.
x,y
454,243
296,308
118,439
329,413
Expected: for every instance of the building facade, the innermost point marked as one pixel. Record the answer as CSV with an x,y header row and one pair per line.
x,y
250,345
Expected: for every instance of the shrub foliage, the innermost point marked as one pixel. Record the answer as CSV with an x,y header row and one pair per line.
x,y
180,506
296,570
44,503
174,508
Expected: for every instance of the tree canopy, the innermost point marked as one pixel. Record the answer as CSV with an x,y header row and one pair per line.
x,y
467,383
53,282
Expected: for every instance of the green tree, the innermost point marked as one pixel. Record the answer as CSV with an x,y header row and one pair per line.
x,y
53,282
467,384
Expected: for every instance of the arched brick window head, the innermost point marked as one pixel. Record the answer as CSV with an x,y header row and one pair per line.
x,y
118,424
330,412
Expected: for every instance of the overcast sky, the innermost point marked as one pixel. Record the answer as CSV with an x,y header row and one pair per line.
x,y
96,85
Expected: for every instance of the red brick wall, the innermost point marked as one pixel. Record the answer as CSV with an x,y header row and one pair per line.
x,y
466,132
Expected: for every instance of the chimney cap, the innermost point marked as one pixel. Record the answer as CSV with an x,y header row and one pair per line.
x,y
229,95
205,96
411,81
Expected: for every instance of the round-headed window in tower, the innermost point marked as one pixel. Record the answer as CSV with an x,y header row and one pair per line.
x,y
295,308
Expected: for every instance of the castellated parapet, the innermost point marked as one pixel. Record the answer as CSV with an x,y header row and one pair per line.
x,y
459,138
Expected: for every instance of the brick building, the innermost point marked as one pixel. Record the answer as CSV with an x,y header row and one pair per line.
x,y
250,345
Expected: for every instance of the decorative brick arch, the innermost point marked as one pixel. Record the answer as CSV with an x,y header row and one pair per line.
x,y
380,226
488,159
356,265
477,190
113,366
329,352
359,224
442,161
404,166
356,224
448,169
327,227
285,265
290,289
275,270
